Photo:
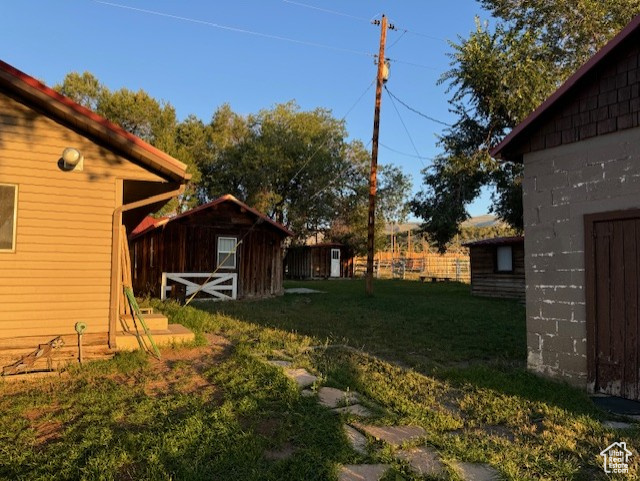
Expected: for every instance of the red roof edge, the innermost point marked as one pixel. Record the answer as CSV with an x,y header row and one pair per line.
x,y
631,27
219,200
169,163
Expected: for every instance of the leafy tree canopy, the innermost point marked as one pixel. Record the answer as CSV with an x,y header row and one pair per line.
x,y
497,77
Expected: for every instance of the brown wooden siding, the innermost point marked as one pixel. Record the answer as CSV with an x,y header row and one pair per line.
x,y
606,100
486,281
60,272
314,262
190,245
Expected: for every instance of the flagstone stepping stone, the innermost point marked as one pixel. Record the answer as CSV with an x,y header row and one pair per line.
x,y
331,397
303,377
355,409
362,472
476,472
279,363
308,393
285,452
357,440
394,435
303,290
424,461
617,425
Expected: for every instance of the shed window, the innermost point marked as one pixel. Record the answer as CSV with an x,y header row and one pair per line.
x,y
227,252
8,212
504,259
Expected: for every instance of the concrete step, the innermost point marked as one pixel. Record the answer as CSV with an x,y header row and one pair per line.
x,y
174,334
155,322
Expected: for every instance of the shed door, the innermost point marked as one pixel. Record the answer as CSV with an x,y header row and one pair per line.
x,y
613,266
335,262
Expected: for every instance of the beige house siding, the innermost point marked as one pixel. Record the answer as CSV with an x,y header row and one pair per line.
x,y
562,184
60,271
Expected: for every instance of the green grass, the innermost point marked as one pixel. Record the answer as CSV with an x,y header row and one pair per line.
x,y
429,355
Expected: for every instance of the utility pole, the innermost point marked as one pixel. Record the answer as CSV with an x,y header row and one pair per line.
x,y
373,183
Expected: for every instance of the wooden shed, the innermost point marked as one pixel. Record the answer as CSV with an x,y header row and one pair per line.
x,y
497,267
319,261
581,156
223,249
69,179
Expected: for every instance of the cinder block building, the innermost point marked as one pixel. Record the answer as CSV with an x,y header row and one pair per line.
x,y
581,155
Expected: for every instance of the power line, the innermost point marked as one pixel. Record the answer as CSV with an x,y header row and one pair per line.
x,y
397,40
342,14
304,165
417,111
235,29
399,152
325,10
393,102
413,64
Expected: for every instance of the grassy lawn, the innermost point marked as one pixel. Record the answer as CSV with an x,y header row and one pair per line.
x,y
421,354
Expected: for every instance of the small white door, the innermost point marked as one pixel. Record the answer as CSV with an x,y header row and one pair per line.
x,y
335,262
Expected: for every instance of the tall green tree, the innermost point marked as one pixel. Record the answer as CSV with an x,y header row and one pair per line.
x,y
152,120
280,161
497,77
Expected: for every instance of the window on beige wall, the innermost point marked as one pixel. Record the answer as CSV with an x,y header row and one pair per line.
x,y
8,212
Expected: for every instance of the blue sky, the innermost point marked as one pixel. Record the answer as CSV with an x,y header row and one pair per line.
x,y
197,66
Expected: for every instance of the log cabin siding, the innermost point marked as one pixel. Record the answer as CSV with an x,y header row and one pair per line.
x,y
314,261
60,271
487,281
190,244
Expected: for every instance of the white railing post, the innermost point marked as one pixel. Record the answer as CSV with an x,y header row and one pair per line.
x,y
163,287
234,286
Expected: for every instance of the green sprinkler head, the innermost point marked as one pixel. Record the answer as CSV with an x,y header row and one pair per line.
x,y
80,327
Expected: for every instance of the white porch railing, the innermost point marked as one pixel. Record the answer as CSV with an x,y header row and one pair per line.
x,y
217,286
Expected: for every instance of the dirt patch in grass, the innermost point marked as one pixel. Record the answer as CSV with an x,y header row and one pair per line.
x,y
182,370
48,431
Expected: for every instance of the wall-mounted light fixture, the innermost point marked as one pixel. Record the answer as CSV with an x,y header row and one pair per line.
x,y
71,159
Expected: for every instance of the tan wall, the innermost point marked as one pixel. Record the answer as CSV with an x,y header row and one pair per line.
x,y
601,174
60,271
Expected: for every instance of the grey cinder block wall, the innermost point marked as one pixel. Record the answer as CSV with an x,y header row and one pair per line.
x,y
562,184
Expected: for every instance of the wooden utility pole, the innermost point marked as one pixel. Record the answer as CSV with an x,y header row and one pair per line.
x,y
373,183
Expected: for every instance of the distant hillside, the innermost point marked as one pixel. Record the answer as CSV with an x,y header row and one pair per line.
x,y
487,220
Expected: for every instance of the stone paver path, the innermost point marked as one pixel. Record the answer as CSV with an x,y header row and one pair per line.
x,y
424,461
617,425
355,409
279,363
331,397
357,440
302,290
362,472
394,435
476,472
303,377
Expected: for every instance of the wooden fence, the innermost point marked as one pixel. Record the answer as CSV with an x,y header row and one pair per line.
x,y
427,266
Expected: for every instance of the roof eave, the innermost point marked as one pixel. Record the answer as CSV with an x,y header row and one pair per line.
x,y
499,151
64,109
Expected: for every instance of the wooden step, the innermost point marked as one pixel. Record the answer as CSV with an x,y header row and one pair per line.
x,y
174,334
155,322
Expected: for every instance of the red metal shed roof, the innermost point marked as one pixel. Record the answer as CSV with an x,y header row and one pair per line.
x,y
496,241
521,129
139,230
84,120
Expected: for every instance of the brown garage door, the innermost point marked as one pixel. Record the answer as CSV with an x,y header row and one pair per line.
x,y
612,251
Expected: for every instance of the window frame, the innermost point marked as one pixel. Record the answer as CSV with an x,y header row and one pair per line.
x,y
234,252
15,218
504,271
